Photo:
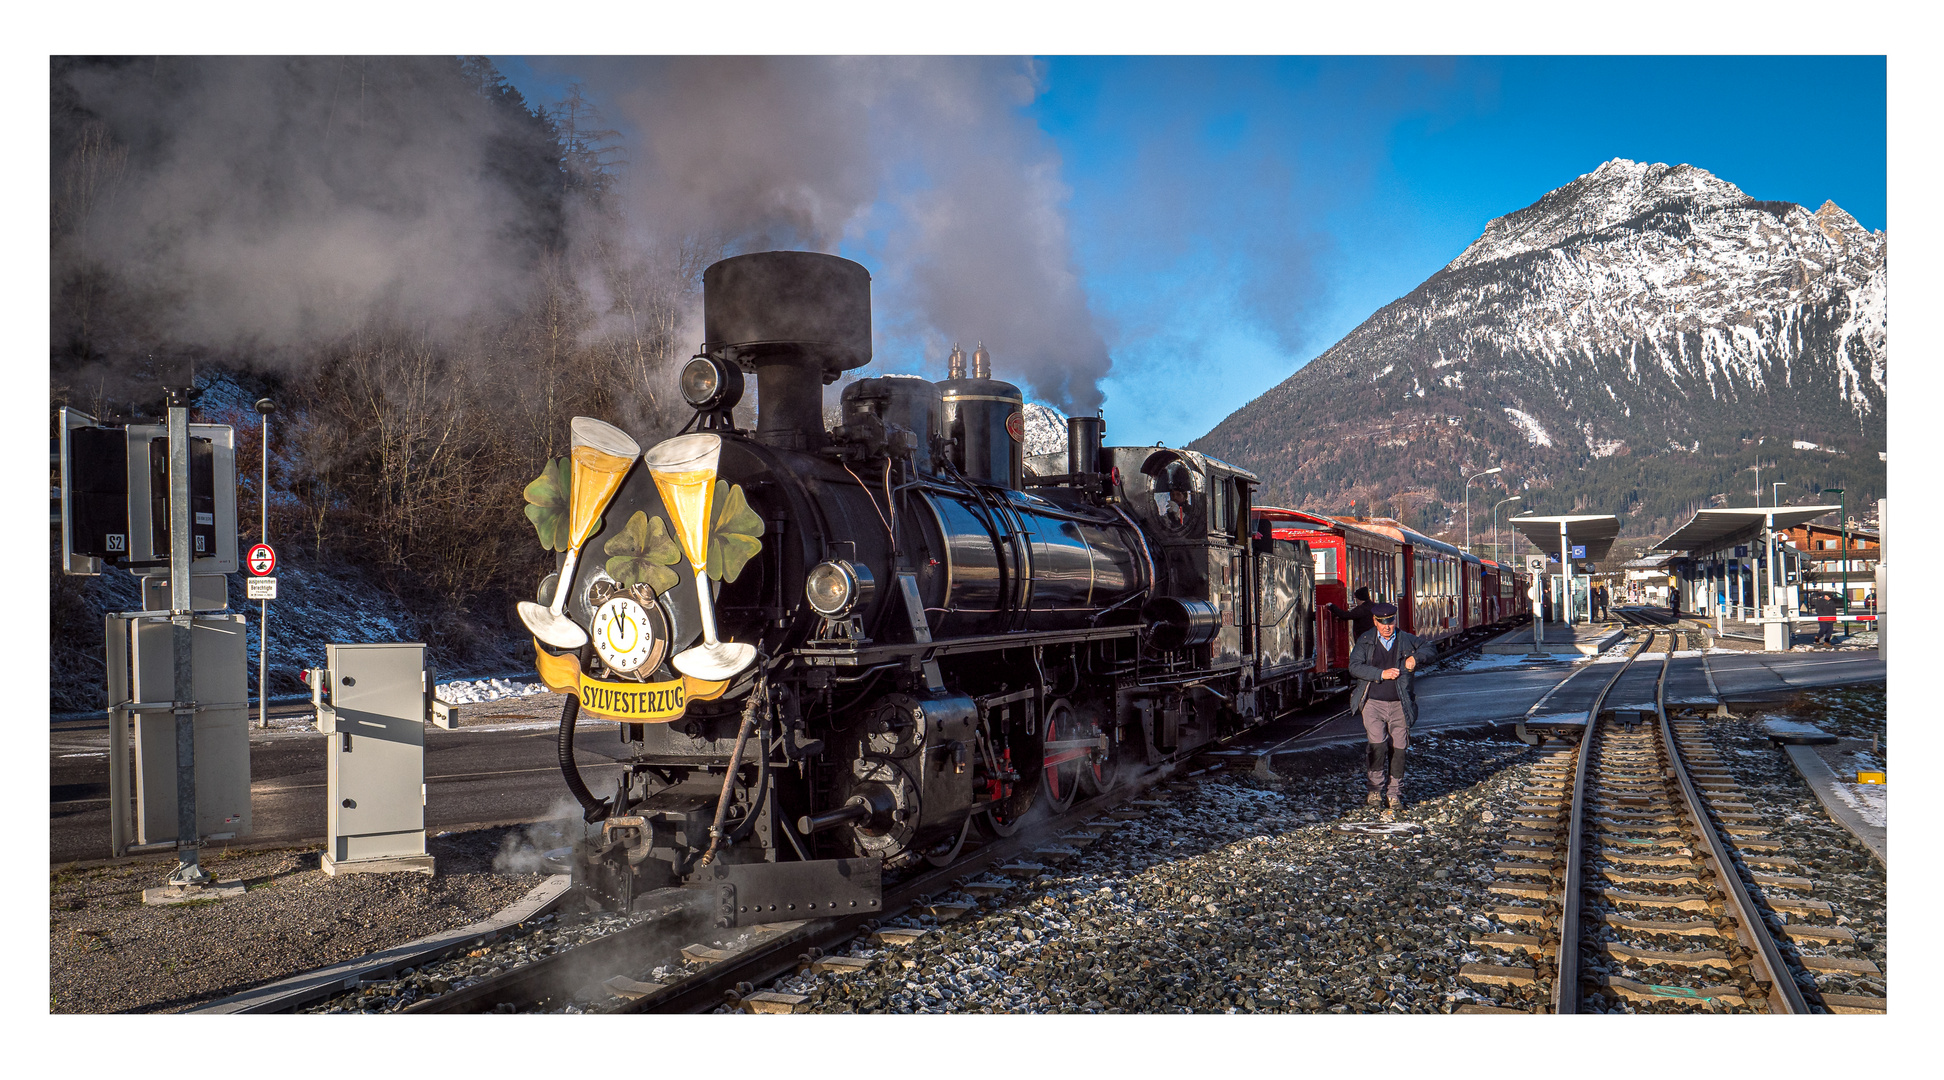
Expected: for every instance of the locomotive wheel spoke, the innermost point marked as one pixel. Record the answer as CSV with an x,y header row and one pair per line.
x,y
1061,766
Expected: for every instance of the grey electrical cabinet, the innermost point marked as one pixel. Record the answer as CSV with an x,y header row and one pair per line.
x,y
373,702
218,646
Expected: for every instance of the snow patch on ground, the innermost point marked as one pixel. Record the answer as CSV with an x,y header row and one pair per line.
x,y
463,691
1535,434
1494,661
1870,801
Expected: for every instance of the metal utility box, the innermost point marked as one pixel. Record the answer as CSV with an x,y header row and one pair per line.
x,y
218,645
373,702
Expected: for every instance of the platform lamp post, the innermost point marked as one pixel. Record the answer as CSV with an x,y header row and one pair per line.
x,y
1495,506
1468,483
1842,521
264,407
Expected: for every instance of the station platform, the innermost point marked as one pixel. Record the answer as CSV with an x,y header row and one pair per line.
x,y
1582,639
1745,633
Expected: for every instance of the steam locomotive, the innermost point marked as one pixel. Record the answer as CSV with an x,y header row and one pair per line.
x,y
828,653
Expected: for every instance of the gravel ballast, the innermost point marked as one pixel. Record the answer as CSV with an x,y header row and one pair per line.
x,y
1237,895
108,952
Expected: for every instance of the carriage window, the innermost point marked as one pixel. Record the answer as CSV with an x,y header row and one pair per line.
x,y
1219,505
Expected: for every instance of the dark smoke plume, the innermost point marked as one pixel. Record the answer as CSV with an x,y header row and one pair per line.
x,y
927,170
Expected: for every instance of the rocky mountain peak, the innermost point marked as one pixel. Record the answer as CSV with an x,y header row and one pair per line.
x,y
1640,315
1618,191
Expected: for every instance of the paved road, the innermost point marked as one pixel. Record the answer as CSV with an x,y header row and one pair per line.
x,y
504,770
489,774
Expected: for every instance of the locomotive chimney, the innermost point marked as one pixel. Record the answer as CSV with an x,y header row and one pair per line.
x,y
955,363
982,363
796,319
1083,444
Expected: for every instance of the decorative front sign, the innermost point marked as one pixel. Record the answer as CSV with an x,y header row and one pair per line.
x,y
262,560
630,702
624,637
1016,425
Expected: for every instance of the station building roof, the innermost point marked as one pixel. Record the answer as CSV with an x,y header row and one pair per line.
x,y
1712,528
1596,531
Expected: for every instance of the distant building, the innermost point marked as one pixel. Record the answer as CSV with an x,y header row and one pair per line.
x,y
1824,559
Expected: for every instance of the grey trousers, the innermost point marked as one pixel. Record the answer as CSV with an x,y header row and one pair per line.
x,y
1385,729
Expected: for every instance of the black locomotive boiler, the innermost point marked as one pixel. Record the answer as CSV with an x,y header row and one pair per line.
x,y
922,636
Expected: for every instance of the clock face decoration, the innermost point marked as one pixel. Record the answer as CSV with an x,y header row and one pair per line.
x,y
624,636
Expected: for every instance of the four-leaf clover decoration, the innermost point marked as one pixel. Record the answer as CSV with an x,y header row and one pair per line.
x,y
734,541
642,554
548,502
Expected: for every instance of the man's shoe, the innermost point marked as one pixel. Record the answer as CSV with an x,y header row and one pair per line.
x,y
1396,802
1374,799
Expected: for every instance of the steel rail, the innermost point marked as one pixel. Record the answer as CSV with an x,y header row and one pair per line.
x,y
1566,967
1785,997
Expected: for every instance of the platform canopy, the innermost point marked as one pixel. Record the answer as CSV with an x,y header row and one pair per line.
x,y
1596,531
1710,529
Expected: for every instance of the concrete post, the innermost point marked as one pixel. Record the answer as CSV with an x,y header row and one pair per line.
x,y
1566,575
1883,579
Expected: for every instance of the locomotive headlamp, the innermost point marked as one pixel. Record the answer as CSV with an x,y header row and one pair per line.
x,y
711,385
838,587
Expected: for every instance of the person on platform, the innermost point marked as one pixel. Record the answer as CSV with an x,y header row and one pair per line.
x,y
1358,617
1384,661
1824,603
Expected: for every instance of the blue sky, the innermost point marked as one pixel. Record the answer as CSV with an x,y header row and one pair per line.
x,y
1234,217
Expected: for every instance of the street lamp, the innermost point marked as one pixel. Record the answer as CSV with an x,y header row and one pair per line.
x,y
264,407
1775,497
1495,506
1842,520
1468,482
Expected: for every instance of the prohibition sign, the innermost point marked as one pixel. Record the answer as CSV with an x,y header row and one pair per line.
x,y
262,560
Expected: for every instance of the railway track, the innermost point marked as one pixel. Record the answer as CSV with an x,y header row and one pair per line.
x,y
703,967
1640,878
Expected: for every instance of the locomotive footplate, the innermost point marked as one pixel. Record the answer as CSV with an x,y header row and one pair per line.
x,y
752,893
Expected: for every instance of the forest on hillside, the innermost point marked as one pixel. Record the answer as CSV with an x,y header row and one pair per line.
x,y
427,273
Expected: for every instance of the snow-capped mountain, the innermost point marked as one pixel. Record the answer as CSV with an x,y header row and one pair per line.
x,y
1642,309
1046,429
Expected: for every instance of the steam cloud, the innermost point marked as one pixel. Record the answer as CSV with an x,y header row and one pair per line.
x,y
268,202
934,155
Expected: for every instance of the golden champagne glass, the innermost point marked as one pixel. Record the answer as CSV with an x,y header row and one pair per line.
x,y
602,455
684,469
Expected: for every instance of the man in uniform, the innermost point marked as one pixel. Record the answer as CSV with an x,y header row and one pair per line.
x,y
1384,661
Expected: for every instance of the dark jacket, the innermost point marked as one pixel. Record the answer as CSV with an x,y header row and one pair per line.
x,y
1359,619
1364,668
